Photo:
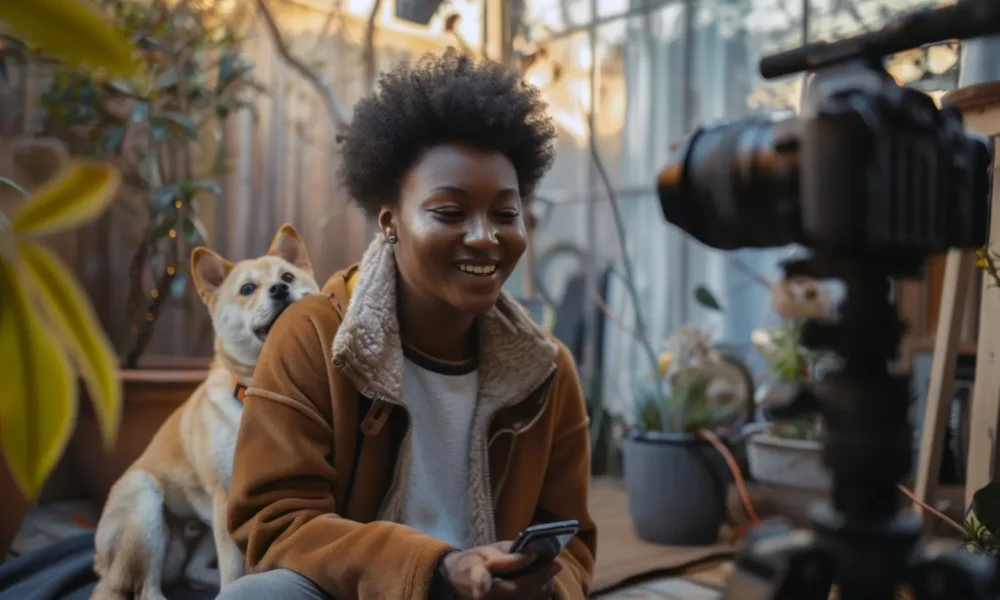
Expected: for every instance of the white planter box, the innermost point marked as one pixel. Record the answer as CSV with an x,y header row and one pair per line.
x,y
788,463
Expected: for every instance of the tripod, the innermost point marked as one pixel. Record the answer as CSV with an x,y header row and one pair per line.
x,y
860,540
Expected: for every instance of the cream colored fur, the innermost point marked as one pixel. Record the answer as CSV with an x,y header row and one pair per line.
x,y
516,357
153,531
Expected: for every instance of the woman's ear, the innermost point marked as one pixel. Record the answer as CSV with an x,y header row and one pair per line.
x,y
386,221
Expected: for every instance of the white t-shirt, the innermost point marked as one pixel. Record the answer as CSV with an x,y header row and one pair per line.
x,y
441,401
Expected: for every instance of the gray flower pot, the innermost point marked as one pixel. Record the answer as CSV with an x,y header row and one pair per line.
x,y
676,485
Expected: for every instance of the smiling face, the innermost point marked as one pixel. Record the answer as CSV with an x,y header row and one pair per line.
x,y
246,299
459,227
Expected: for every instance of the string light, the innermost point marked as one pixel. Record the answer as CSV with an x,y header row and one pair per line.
x,y
172,233
155,293
171,270
178,204
149,316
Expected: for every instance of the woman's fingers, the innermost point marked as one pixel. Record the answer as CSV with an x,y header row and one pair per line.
x,y
498,562
481,580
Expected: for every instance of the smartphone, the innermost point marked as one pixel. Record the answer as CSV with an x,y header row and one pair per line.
x,y
544,541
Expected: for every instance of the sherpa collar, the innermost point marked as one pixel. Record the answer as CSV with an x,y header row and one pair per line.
x,y
515,359
516,356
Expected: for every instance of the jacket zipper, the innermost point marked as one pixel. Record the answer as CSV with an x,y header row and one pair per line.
x,y
358,443
486,451
397,468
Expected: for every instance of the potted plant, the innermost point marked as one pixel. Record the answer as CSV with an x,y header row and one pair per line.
x,y
787,455
675,479
161,128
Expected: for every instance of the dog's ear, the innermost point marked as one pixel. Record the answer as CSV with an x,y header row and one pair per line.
x,y
208,270
288,245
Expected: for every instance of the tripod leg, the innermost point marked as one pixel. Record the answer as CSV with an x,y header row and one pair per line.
x,y
780,564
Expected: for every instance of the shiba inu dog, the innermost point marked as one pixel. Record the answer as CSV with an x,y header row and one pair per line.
x,y
154,528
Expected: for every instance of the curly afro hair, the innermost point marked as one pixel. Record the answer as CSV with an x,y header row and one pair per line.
x,y
440,99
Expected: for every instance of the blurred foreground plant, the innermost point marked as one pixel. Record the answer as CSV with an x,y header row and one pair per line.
x,y
47,325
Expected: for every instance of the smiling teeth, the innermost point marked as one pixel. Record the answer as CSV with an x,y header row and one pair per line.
x,y
478,269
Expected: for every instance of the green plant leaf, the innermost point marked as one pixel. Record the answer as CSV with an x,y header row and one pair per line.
x,y
986,507
140,113
80,192
38,403
167,81
76,324
149,170
194,229
706,298
114,138
208,186
72,30
171,121
122,87
178,285
165,196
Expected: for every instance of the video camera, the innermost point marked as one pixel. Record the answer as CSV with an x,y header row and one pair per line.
x,y
868,166
873,178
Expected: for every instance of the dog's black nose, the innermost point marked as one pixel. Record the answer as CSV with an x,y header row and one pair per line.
x,y
278,291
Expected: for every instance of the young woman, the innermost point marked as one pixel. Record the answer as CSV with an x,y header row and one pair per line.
x,y
403,427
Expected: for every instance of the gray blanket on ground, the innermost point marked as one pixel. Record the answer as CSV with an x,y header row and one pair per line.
x,y
65,571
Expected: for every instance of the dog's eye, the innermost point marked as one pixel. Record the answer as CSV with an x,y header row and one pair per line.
x,y
287,277
247,289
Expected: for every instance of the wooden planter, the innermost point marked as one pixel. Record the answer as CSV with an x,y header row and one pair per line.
x,y
151,395
14,507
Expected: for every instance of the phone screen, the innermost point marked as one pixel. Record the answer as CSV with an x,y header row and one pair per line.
x,y
545,547
544,542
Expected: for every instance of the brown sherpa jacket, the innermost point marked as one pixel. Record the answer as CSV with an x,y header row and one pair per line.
x,y
323,444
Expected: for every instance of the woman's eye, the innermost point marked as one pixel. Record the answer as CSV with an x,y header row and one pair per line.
x,y
509,215
287,277
247,289
448,213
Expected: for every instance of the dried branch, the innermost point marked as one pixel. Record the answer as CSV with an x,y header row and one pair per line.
x,y
332,106
629,275
746,270
334,12
368,53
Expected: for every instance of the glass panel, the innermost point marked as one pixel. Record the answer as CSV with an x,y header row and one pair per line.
x,y
610,8
836,19
733,35
541,18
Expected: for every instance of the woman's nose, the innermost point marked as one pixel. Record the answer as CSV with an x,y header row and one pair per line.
x,y
481,233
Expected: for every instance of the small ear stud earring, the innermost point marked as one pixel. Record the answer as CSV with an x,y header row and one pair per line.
x,y
392,238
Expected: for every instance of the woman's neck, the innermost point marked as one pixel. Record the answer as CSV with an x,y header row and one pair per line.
x,y
433,328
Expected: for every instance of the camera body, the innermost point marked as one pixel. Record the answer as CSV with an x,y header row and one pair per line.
x,y
868,167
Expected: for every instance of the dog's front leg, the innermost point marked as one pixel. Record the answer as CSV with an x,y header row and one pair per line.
x,y
231,564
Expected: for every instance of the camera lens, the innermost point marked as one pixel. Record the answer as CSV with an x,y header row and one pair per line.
x,y
736,185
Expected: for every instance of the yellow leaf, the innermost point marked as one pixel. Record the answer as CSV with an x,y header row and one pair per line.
x,y
38,403
73,319
71,30
80,192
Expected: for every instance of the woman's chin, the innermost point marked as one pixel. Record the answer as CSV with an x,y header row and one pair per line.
x,y
475,304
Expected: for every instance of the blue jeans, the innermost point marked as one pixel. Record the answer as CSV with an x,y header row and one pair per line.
x,y
280,584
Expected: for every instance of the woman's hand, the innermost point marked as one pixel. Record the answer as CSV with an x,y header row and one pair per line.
x,y
473,575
